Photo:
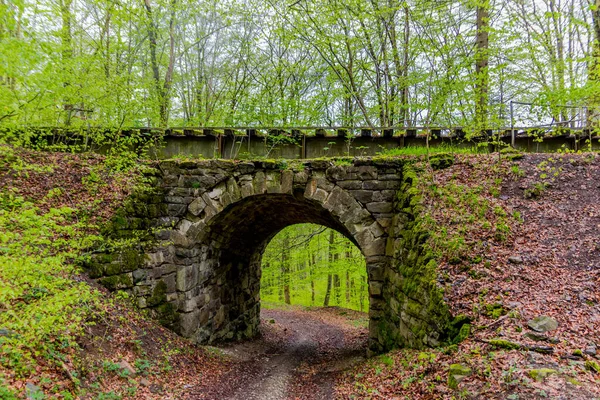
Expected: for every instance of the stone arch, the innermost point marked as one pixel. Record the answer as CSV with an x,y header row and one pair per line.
x,y
227,227
211,219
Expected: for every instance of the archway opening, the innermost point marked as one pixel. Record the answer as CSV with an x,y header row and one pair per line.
x,y
234,241
311,265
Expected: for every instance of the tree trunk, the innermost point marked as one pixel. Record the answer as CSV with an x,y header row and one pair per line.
x,y
347,288
337,289
594,73
328,291
162,88
311,265
481,66
285,268
66,54
330,265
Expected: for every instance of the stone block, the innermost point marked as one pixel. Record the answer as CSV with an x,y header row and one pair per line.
x,y
364,196
376,273
175,200
197,206
350,185
273,179
380,185
246,189
189,322
187,305
366,172
324,184
245,167
336,173
376,247
117,282
320,195
139,275
170,282
376,229
300,177
311,188
187,277
216,193
380,207
219,317
287,181
170,180
180,240
384,195
375,288
260,183
233,189
176,210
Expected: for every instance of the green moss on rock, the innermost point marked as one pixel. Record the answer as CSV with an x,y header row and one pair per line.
x,y
441,161
592,366
159,295
504,344
115,282
541,373
166,315
456,374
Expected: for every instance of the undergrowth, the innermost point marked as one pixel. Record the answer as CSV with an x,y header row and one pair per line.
x,y
45,302
423,151
462,213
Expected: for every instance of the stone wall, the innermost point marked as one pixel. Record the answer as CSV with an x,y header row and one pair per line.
x,y
195,241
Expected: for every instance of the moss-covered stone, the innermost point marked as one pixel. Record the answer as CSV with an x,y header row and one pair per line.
x,y
592,366
541,373
426,318
159,295
504,344
116,282
166,314
456,374
441,161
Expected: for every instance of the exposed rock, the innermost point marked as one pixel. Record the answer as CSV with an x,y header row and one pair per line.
x,y
541,373
456,374
536,337
543,324
6,332
144,382
155,388
592,366
515,259
590,350
441,161
125,366
33,392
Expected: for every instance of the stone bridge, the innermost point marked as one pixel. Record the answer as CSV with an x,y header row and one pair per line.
x,y
200,232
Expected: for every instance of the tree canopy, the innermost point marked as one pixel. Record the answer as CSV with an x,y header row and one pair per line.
x,y
324,62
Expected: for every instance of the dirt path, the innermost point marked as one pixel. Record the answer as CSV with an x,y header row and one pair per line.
x,y
299,355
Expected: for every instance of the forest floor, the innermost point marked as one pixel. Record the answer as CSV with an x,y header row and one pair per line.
x,y
62,336
299,355
533,251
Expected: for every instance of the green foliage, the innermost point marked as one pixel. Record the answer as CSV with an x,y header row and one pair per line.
x,y
310,263
142,366
43,305
535,191
423,151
